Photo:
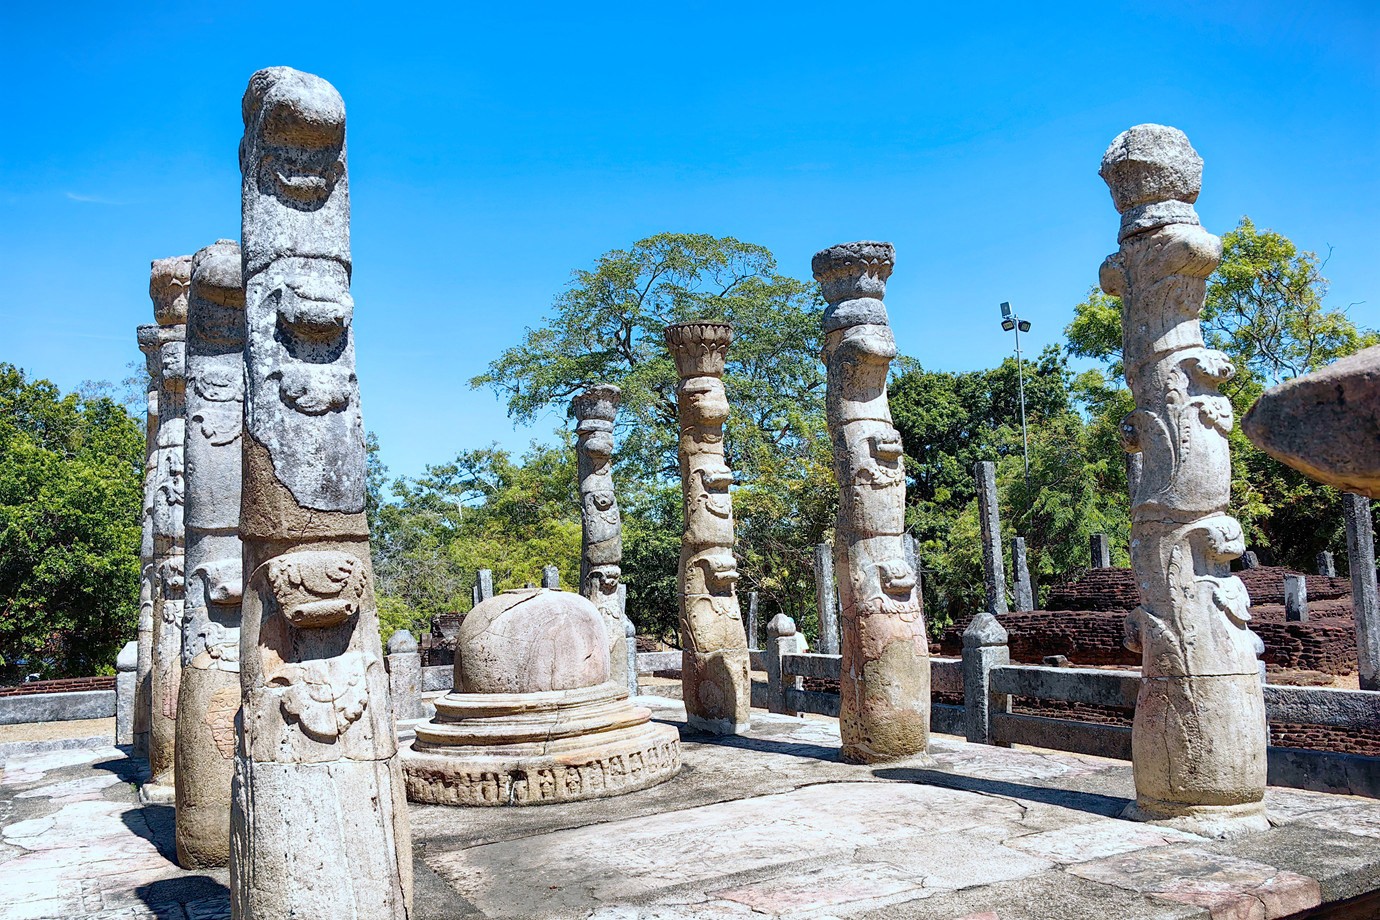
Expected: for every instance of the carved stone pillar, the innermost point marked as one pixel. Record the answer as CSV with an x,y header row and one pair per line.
x,y
210,689
169,280
1198,743
714,669
884,687
319,825
601,543
148,591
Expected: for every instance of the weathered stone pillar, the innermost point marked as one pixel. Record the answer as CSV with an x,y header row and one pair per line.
x,y
404,664
984,648
1198,742
209,697
126,678
319,818
752,620
884,685
1325,565
714,669
1249,559
1099,551
169,280
826,599
484,585
551,577
630,637
601,540
1020,570
1295,598
1365,602
148,588
782,640
989,520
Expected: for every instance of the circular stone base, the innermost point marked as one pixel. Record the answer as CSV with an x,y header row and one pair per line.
x,y
537,748
1220,821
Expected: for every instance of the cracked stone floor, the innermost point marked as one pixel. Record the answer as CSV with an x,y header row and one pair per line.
x,y
770,824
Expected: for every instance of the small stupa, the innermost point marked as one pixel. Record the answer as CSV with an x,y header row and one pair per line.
x,y
533,718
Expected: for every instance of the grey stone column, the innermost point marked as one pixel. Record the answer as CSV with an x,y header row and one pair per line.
x,y
404,664
1249,559
551,577
1199,735
126,685
752,620
1360,550
782,640
1099,551
1295,598
984,648
989,518
1025,597
484,581
826,599
319,820
148,589
630,636
1325,565
601,524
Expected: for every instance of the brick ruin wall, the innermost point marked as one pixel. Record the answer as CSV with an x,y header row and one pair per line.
x,y
60,686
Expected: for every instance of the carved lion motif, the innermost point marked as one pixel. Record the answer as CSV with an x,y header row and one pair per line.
x,y
316,588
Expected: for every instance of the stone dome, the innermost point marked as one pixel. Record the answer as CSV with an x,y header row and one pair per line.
x,y
531,640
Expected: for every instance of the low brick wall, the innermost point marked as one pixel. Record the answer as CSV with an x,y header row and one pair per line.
x,y
60,686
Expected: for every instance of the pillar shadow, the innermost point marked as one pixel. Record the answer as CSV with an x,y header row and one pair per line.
x,y
761,745
167,898
1107,806
157,824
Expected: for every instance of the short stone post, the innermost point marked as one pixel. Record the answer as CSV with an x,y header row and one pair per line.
x,y
993,565
1249,559
551,577
1100,551
484,581
126,683
826,597
1020,570
781,641
404,664
1325,565
984,648
630,636
1295,598
752,619
1360,550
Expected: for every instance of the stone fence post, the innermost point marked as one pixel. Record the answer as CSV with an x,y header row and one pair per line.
x,y
1100,549
752,620
484,578
993,563
1360,550
1020,572
404,665
551,577
1325,564
126,682
781,641
984,648
630,635
1295,598
826,596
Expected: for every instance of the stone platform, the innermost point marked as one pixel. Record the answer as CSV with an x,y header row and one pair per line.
x,y
769,824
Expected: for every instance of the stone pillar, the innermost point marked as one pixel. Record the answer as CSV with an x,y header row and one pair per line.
x,y
1020,570
169,280
714,670
630,637
404,664
1099,551
826,599
782,640
148,588
484,585
1360,551
884,685
601,541
1198,741
1325,565
126,681
319,815
989,519
1249,559
984,648
752,620
1295,598
551,577
209,697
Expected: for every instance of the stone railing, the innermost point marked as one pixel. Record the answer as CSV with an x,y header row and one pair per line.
x,y
988,681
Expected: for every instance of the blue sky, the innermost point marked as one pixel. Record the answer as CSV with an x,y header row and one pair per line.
x,y
496,148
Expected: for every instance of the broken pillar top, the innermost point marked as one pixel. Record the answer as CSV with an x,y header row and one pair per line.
x,y
170,281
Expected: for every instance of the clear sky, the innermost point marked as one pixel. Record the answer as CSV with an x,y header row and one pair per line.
x,y
494,148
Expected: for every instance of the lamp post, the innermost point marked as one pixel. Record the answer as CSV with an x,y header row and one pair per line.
x,y
1009,322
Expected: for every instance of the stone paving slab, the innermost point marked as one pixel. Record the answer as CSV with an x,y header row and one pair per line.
x,y
767,825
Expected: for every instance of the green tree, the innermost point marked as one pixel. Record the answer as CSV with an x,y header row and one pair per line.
x,y
71,472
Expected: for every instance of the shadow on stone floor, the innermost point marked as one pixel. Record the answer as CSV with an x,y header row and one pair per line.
x,y
760,745
158,825
167,899
127,768
1107,806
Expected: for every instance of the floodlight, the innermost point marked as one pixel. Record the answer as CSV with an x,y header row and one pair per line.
x,y
1008,324
1025,325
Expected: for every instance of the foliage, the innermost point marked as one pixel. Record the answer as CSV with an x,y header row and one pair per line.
x,y
71,472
